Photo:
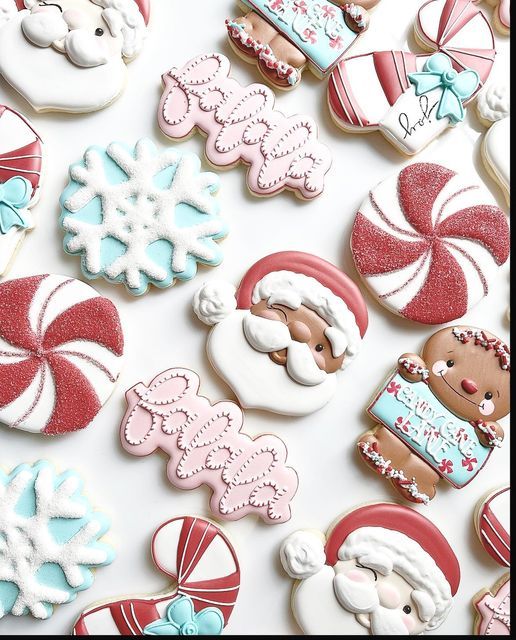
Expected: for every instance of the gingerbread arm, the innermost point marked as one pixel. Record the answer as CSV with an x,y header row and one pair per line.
x,y
490,434
412,367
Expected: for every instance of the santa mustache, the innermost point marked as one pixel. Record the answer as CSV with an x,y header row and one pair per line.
x,y
48,28
361,598
268,336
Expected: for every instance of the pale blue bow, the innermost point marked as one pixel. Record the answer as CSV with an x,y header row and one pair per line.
x,y
181,620
14,197
457,87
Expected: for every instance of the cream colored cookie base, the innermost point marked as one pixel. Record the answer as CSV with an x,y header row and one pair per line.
x,y
491,170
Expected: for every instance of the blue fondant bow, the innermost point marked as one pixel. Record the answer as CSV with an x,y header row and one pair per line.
x,y
14,197
181,620
457,87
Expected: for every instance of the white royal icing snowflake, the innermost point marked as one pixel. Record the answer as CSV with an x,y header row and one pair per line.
x,y
139,216
48,540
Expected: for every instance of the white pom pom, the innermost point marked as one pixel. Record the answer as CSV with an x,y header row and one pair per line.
x,y
214,301
302,554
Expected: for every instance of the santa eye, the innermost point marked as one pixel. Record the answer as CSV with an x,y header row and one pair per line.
x,y
450,363
407,609
99,32
488,395
319,348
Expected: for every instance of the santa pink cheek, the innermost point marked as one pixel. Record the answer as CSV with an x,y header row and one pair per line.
x,y
74,19
440,368
389,595
409,622
269,314
357,576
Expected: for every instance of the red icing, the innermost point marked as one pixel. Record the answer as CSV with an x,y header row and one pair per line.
x,y
495,539
392,69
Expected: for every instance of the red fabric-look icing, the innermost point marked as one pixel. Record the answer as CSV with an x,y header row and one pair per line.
x,y
406,521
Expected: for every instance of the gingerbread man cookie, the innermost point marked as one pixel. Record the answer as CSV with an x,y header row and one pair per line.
x,y
382,569
284,36
196,555
412,98
437,414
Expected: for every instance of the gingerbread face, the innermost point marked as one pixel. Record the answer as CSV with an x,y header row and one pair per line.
x,y
467,378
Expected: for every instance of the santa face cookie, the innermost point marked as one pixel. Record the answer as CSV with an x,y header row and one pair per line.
x,y
140,217
493,525
493,609
382,569
203,568
242,126
61,347
86,43
413,98
21,165
207,446
282,338
436,415
428,243
50,540
284,36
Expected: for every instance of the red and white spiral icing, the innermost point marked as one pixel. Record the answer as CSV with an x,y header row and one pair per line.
x,y
493,524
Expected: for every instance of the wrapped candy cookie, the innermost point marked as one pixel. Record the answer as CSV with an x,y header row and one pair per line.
x,y
21,168
413,98
382,569
281,340
284,36
437,413
86,43
203,569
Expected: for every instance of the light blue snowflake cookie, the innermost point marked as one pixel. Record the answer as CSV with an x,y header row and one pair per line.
x,y
49,540
140,216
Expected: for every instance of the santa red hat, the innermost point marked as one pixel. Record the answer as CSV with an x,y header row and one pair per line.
x,y
143,6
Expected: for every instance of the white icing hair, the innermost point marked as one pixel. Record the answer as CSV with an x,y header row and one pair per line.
x,y
494,103
386,550
124,17
295,289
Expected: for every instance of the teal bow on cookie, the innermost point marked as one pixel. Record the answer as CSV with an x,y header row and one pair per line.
x,y
181,620
14,197
457,87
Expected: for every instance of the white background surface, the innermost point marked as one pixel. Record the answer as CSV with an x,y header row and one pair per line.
x,y
161,332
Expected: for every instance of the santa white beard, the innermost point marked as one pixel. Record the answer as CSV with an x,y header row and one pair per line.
x,y
258,382
49,80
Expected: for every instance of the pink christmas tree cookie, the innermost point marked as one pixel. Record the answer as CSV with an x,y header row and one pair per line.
x,y
206,446
493,609
413,98
242,126
428,243
203,568
61,347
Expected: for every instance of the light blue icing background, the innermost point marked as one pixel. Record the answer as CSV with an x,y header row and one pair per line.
x,y
62,529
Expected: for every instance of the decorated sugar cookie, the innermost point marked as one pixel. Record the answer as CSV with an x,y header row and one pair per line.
x,y
428,243
21,162
203,568
493,106
437,414
285,36
281,340
501,15
493,609
86,44
412,98
493,525
139,216
242,126
61,347
207,446
50,540
382,569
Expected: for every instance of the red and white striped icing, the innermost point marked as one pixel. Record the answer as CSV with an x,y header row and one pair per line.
x,y
428,242
60,353
494,526
192,551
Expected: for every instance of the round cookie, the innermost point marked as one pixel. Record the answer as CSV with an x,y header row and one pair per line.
x,y
493,525
493,609
50,540
202,566
61,348
428,243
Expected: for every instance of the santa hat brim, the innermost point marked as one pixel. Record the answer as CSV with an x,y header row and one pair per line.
x,y
143,6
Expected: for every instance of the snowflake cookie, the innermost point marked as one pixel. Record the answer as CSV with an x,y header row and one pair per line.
x,y
140,216
49,540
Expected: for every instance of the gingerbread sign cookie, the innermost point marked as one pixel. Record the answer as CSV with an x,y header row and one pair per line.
x,y
207,446
428,243
282,338
242,125
284,36
382,569
493,525
203,568
61,348
493,609
86,44
413,98
21,166
437,414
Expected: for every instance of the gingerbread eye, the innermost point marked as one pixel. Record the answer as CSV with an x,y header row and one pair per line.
x,y
407,609
319,348
450,363
488,395
99,32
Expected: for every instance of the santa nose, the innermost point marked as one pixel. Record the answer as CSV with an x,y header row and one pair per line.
x,y
299,331
75,19
469,386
